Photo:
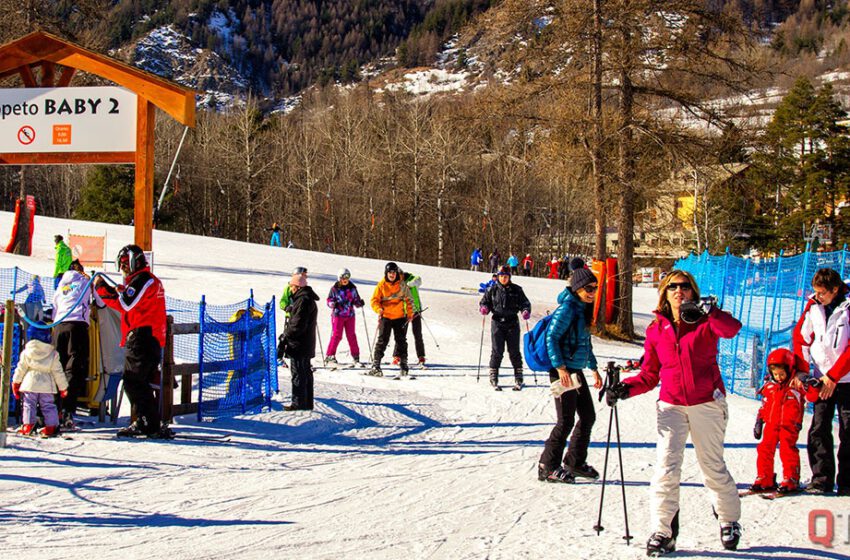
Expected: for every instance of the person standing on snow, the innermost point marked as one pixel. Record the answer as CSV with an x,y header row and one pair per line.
x,y
72,306
822,338
413,283
275,241
141,302
513,264
570,350
299,339
680,352
553,268
495,259
63,260
343,299
287,290
505,299
391,301
38,376
475,260
527,265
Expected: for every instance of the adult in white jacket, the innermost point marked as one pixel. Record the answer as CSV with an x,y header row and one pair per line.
x,y
72,306
37,378
822,338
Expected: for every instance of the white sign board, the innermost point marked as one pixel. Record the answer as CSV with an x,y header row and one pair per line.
x,y
68,119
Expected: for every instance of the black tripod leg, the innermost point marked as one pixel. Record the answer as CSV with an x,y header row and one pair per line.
x,y
628,536
598,527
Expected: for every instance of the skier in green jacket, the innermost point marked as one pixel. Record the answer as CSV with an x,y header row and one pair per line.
x,y
63,260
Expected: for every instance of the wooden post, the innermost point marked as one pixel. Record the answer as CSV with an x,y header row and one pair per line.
x,y
167,378
6,377
143,216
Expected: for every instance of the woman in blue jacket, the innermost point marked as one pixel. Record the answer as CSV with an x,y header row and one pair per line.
x,y
570,351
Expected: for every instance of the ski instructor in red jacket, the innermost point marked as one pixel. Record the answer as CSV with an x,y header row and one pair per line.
x,y
680,352
141,302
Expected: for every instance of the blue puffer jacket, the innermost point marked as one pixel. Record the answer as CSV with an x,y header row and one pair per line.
x,y
575,351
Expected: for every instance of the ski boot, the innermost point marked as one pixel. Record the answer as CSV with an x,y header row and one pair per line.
x,y
356,362
331,362
789,486
730,534
26,429
763,484
494,379
659,544
164,432
517,380
67,423
49,431
543,472
421,364
133,430
584,471
375,371
561,475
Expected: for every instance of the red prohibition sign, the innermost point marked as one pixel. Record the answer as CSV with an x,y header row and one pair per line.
x,y
26,135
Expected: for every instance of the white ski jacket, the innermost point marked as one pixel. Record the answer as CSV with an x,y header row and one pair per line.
x,y
39,369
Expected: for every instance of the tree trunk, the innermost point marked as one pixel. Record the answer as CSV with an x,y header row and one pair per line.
x,y
626,226
596,158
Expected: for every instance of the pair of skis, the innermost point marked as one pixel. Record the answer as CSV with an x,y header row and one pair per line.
x,y
772,494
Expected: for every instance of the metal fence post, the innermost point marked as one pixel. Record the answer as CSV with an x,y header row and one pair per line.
x,y
201,314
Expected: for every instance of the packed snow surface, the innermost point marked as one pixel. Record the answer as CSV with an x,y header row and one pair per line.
x,y
437,467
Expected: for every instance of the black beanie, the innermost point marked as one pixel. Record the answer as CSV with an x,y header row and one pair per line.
x,y
581,278
576,263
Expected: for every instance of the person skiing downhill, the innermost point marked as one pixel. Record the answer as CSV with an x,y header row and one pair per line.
x,y
391,301
505,299
343,299
141,302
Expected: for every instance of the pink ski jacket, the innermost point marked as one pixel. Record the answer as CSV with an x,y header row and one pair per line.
x,y
686,365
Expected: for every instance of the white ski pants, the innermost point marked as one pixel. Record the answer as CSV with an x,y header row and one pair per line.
x,y
706,424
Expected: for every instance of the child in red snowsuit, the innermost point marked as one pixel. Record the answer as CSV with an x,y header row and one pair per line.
x,y
780,419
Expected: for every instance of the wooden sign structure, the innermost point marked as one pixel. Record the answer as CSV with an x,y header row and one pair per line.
x,y
43,60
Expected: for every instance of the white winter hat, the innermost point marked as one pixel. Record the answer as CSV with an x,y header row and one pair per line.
x,y
343,272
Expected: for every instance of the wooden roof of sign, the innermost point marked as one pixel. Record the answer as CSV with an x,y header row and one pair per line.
x,y
45,51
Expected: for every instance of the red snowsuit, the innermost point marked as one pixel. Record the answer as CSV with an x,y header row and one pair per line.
x,y
782,411
553,268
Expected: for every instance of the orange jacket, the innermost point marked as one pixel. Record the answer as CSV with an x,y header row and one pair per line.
x,y
393,299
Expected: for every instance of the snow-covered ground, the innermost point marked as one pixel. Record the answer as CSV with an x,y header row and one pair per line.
x,y
438,467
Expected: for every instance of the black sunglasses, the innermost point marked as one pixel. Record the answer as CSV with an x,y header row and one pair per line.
x,y
590,289
671,287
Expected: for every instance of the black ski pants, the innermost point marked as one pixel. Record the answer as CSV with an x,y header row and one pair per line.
x,y
142,356
579,400
302,383
504,333
398,328
72,344
418,342
820,444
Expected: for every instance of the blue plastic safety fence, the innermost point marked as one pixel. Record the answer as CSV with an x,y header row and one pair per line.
x,y
236,354
767,296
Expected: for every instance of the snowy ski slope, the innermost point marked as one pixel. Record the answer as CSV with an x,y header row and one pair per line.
x,y
439,467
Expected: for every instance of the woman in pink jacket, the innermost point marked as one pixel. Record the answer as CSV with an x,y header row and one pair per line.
x,y
682,356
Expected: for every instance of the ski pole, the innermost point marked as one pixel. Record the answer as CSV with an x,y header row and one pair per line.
x,y
437,344
480,349
321,348
627,536
527,329
366,328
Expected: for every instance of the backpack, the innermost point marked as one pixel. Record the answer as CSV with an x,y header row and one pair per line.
x,y
534,344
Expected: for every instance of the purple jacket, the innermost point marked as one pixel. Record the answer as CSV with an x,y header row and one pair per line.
x,y
686,365
344,299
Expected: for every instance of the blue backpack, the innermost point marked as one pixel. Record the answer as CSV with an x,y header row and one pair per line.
x,y
534,345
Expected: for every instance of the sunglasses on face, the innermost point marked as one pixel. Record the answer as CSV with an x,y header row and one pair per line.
x,y
345,277
672,286
590,289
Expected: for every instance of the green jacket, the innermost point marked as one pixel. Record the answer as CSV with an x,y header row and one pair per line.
x,y
413,282
63,259
285,298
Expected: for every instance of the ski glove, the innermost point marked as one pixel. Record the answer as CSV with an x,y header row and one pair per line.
x,y
359,303
526,314
758,428
484,310
16,390
617,392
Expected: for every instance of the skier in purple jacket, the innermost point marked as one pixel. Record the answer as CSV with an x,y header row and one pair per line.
x,y
344,300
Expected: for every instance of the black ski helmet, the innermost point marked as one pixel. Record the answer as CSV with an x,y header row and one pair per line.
x,y
391,266
133,257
